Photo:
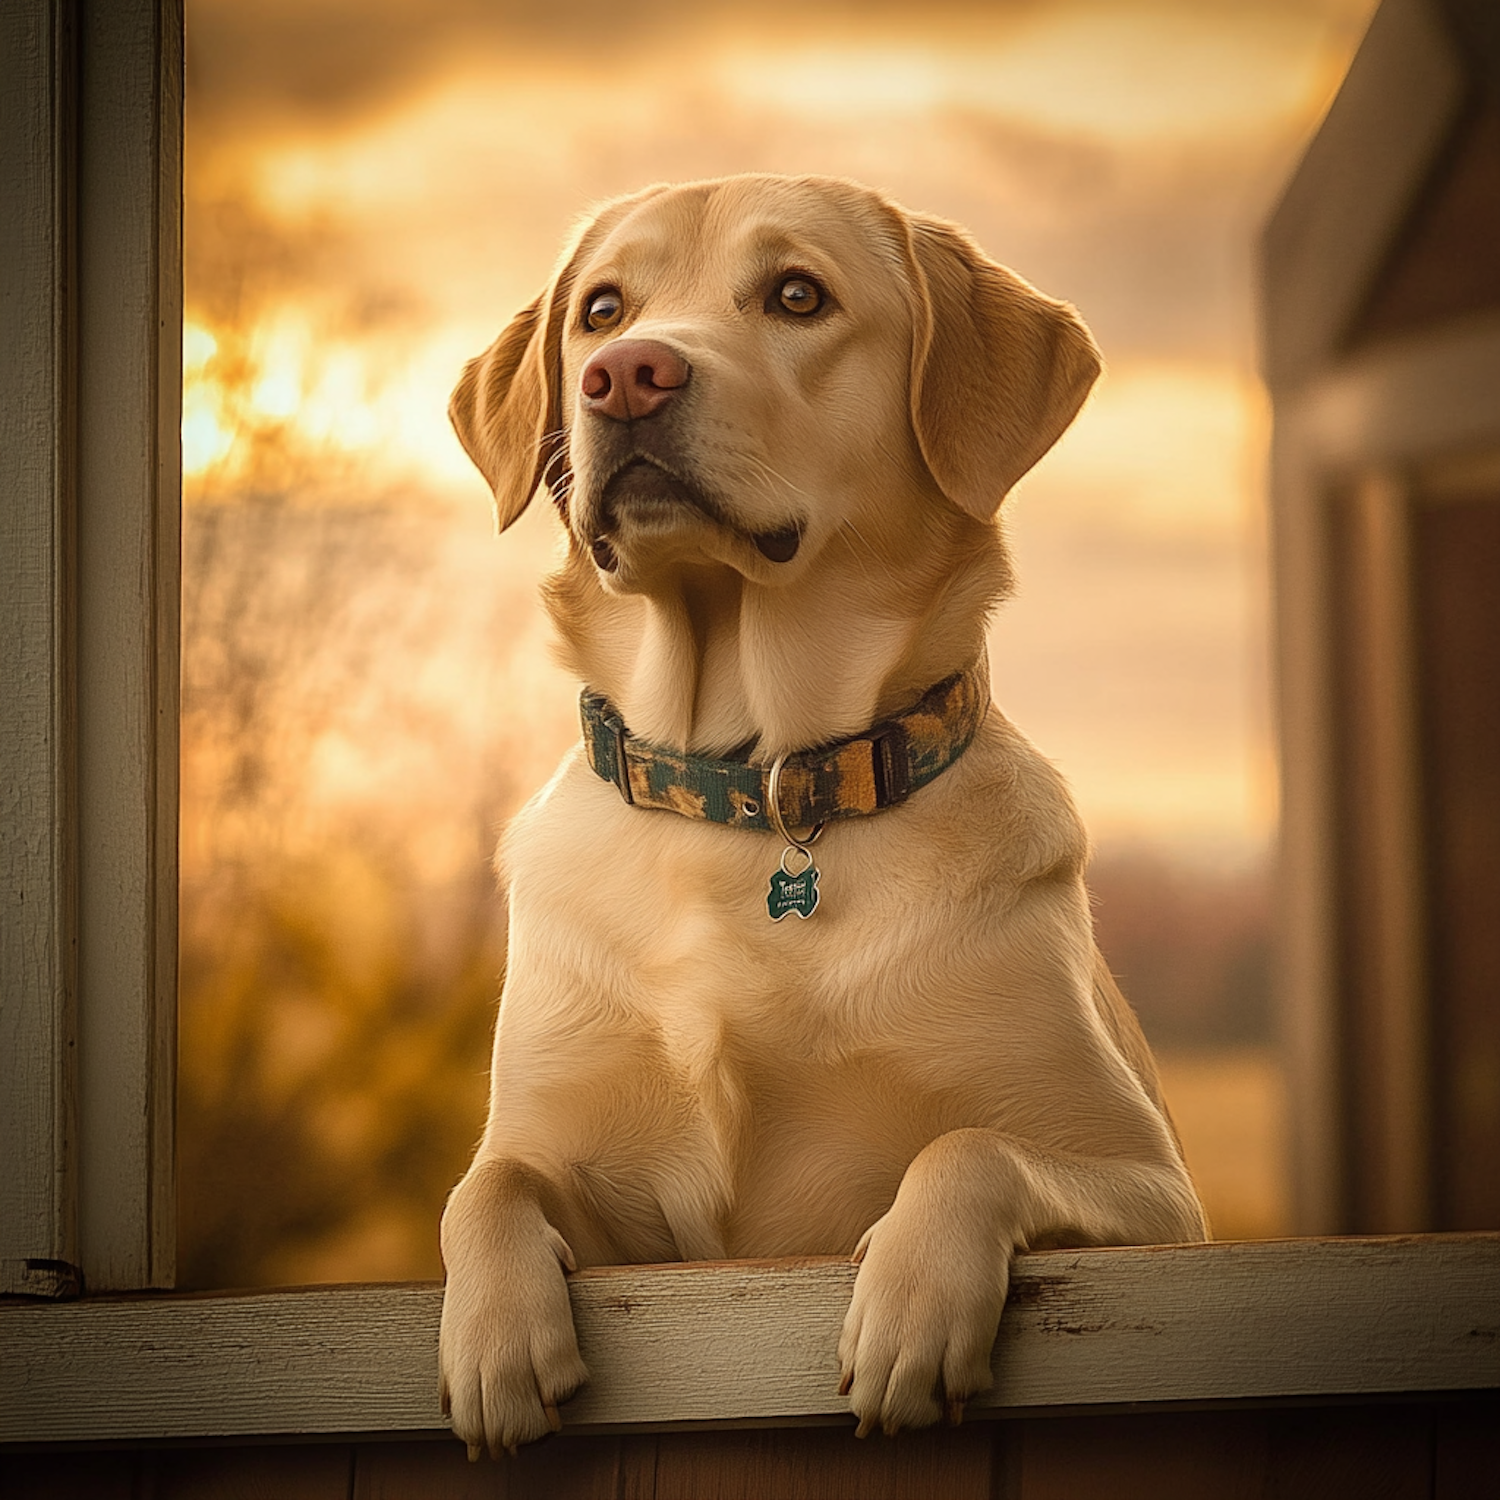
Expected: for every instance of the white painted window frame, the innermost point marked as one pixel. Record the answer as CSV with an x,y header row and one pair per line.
x,y
90,290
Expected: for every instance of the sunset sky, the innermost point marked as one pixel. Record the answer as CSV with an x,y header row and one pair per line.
x,y
373,189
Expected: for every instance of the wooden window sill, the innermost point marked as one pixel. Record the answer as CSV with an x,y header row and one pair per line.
x,y
730,1343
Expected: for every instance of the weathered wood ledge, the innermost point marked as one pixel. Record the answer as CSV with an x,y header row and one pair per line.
x,y
727,1343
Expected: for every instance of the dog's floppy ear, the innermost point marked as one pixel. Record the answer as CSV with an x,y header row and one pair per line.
x,y
506,408
998,370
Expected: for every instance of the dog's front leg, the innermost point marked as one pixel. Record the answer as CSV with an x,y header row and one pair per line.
x,y
507,1352
934,1269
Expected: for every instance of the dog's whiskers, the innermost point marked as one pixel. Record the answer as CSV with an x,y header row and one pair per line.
x,y
560,484
777,475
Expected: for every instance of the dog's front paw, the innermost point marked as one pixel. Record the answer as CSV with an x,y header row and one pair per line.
x,y
507,1352
917,1338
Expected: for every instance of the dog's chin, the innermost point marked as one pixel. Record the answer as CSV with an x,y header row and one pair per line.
x,y
646,517
647,514
645,495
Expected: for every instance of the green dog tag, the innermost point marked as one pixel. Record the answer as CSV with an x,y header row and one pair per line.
x,y
793,893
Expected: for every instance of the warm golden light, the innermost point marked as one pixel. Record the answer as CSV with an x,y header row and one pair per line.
x,y
341,417
329,405
368,688
205,440
278,351
1171,445
1155,74
198,347
1147,75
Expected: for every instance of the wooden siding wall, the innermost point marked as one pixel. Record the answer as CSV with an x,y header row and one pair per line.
x,y
1401,1451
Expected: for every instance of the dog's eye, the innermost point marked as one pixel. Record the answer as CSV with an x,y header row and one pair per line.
x,y
797,294
603,309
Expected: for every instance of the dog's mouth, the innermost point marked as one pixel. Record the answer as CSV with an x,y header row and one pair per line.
x,y
648,492
645,488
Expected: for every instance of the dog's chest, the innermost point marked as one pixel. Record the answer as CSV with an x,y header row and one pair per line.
x,y
764,1083
802,1097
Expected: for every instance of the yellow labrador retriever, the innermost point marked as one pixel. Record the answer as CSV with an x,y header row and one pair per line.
x,y
777,417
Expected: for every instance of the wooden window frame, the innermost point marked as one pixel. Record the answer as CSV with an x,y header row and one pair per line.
x,y
90,173
90,399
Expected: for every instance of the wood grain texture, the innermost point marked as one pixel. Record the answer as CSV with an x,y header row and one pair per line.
x,y
1413,1450
38,925
90,176
723,1343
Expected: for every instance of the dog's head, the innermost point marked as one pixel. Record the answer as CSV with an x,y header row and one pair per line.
x,y
777,415
739,368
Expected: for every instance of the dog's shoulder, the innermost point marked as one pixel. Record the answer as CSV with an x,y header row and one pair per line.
x,y
551,820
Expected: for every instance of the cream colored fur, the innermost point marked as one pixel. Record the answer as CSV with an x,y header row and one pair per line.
x,y
935,1070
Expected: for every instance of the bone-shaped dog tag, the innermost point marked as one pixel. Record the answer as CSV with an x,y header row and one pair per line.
x,y
793,893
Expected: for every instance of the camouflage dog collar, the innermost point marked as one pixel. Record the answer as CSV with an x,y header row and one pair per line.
x,y
874,770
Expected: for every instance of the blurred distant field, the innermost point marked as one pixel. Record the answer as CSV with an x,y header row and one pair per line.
x,y
1191,948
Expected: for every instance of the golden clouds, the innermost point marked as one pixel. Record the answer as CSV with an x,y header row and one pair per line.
x,y
1122,75
1163,74
316,414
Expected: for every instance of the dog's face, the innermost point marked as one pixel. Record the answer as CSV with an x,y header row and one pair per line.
x,y
743,402
737,371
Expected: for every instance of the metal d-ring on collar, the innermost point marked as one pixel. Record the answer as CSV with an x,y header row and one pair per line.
x,y
773,811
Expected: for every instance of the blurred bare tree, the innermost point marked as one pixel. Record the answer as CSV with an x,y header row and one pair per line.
x,y
341,939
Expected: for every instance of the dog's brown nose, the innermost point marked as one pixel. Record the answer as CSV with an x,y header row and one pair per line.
x,y
632,378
